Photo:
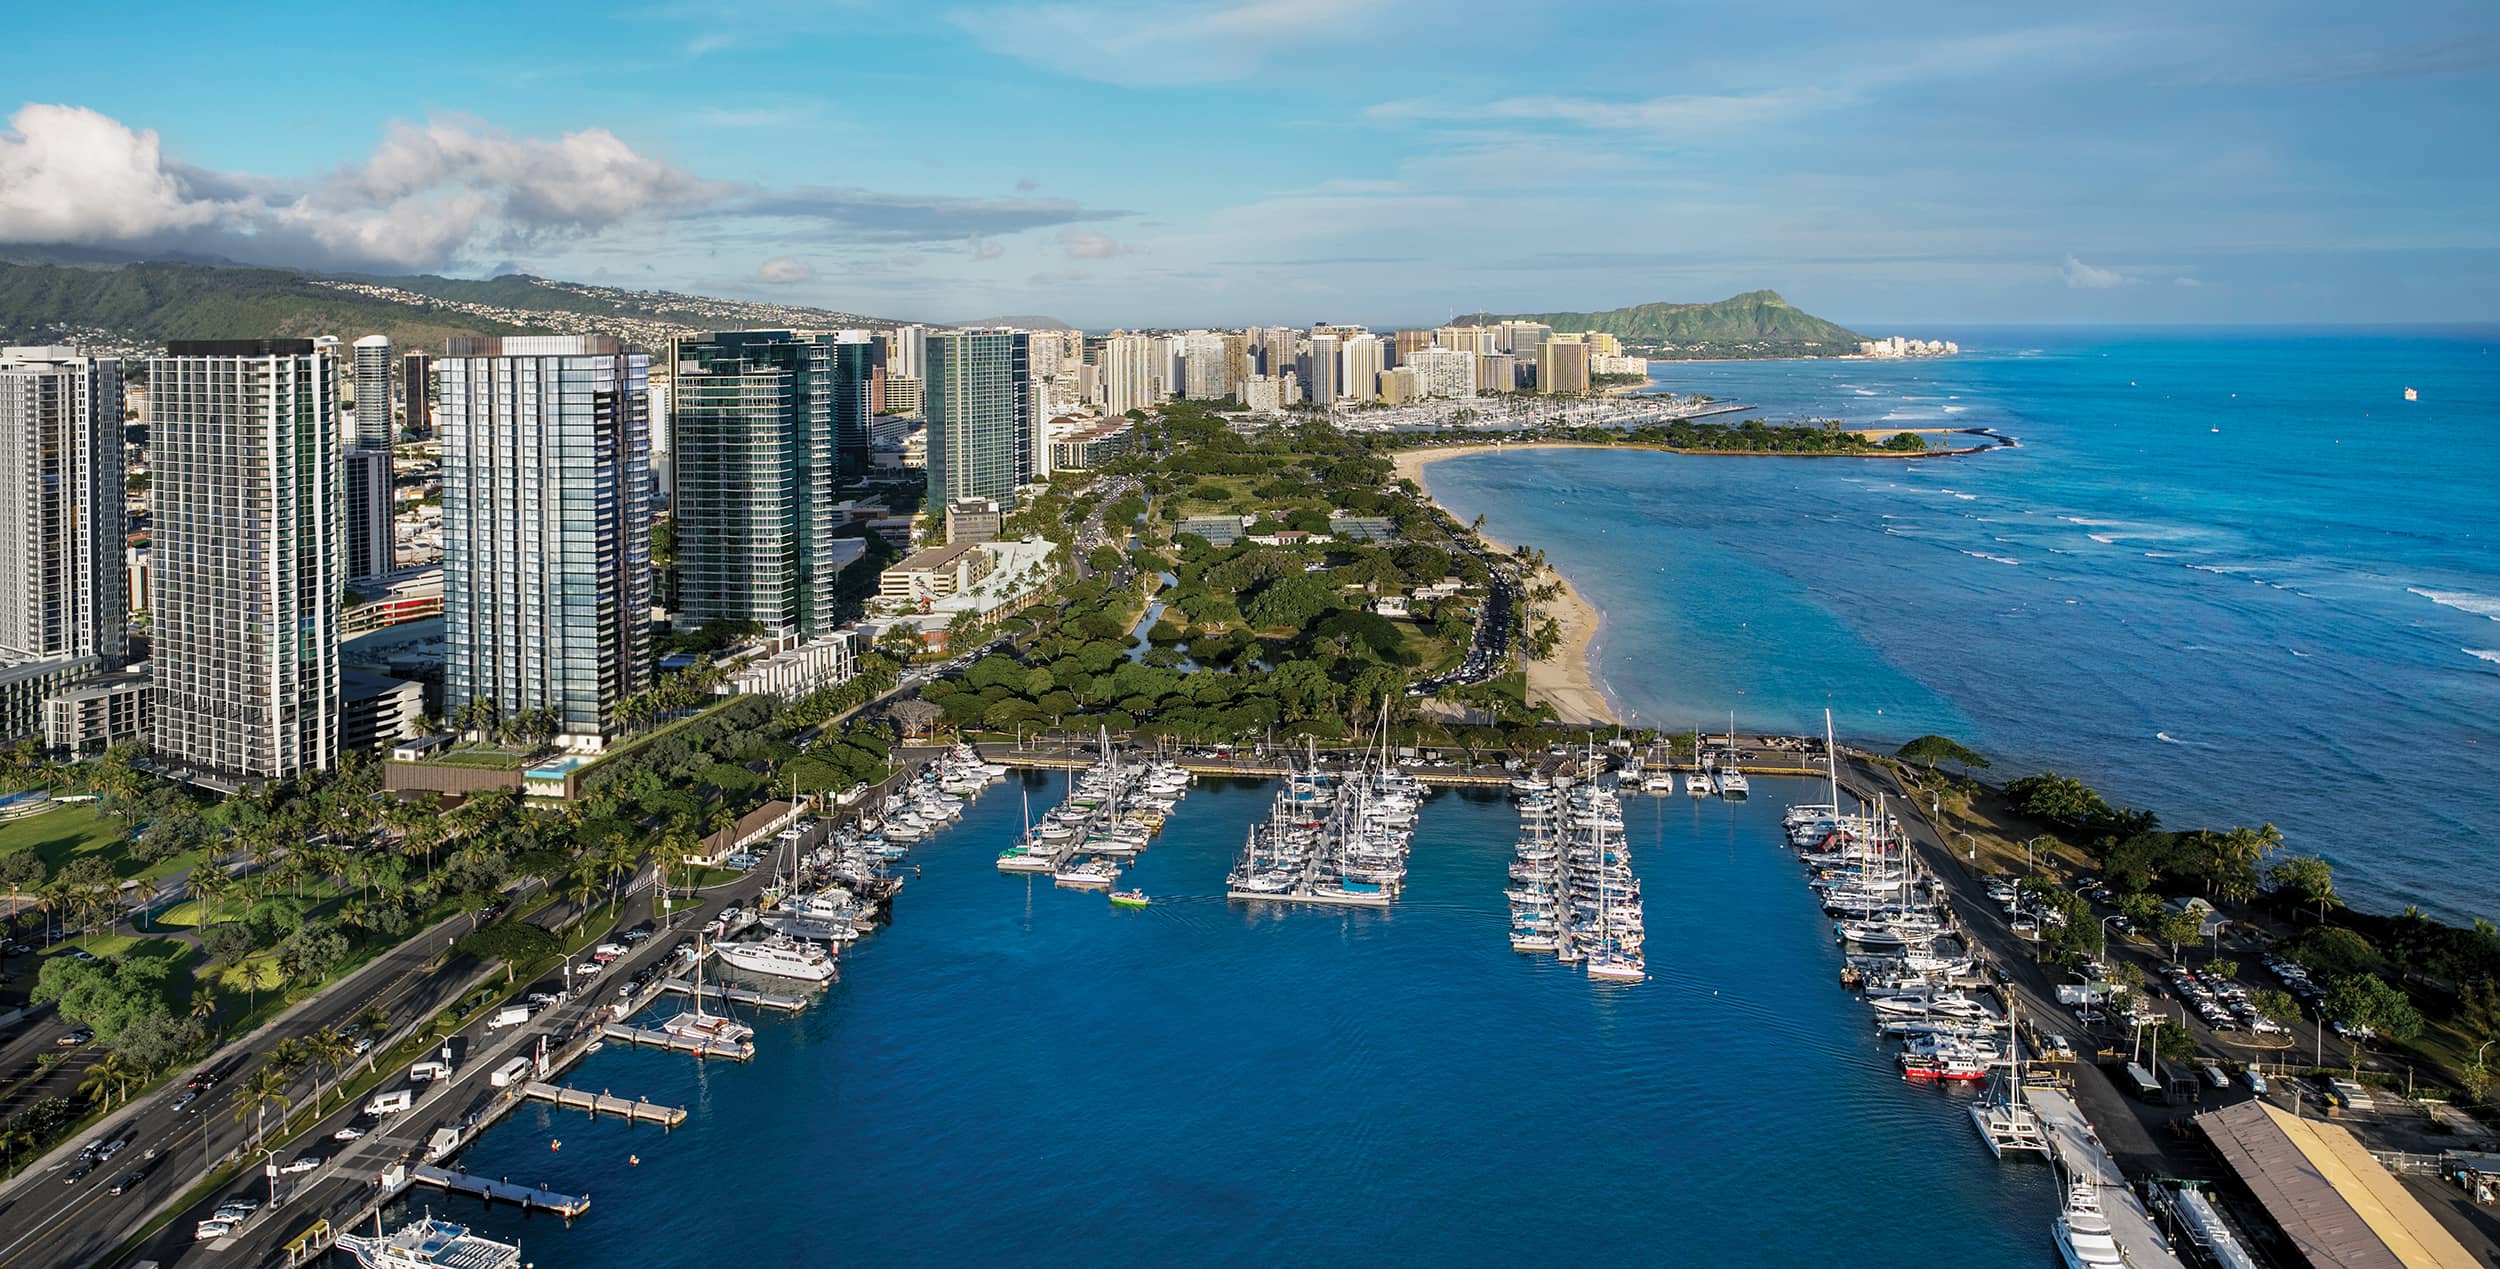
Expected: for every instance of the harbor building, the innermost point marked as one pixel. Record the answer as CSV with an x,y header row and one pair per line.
x,y
980,406
247,565
767,424
546,528
62,582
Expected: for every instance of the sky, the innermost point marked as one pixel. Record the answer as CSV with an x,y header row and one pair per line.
x,y
1176,162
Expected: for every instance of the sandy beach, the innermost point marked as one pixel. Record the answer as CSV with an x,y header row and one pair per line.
x,y
1569,682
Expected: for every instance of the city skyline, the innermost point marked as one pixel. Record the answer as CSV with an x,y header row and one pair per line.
x,y
1880,167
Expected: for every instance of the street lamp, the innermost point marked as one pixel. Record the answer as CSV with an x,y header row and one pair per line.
x,y
2105,934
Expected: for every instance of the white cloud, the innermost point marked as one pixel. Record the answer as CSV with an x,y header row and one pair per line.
x,y
2090,277
69,174
2190,282
1137,42
1689,115
783,270
1086,246
447,194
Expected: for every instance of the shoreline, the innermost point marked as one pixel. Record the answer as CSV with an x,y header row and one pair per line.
x,y
1569,682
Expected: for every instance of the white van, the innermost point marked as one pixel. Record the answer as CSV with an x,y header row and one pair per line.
x,y
510,1073
429,1069
390,1103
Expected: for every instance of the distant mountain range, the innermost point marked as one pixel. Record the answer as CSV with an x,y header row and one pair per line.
x,y
48,296
1754,324
1022,322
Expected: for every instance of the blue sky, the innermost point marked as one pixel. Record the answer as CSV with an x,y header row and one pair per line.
x,y
1235,161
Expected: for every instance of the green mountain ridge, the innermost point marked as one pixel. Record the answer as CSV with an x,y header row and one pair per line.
x,y
134,304
1755,323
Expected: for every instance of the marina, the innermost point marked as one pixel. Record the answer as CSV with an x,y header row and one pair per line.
x,y
1167,988
605,1104
492,1190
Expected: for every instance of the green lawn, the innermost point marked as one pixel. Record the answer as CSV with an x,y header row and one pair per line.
x,y
76,830
481,759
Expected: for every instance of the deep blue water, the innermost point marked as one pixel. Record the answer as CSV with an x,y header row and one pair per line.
x,y
1013,1074
2229,577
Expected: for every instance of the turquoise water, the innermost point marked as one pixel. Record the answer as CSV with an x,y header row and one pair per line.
x,y
1013,1074
2228,577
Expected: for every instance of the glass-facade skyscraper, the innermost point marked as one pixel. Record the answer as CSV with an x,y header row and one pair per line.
x,y
980,408
371,541
765,427
246,558
546,451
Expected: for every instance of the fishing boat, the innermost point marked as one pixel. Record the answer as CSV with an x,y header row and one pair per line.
x,y
427,1243
2082,1231
1129,899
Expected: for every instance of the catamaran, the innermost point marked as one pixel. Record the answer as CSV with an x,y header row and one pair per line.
x,y
426,1243
695,1024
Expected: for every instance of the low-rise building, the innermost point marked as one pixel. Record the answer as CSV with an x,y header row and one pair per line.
x,y
971,520
25,686
377,712
97,714
930,575
1081,444
796,670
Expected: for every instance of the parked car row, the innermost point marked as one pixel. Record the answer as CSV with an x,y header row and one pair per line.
x,y
2223,1004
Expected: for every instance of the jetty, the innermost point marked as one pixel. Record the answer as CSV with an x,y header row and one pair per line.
x,y
2078,1150
604,1104
529,1198
737,995
741,1051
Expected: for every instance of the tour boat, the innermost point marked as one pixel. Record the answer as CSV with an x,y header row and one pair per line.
x,y
1085,875
426,1243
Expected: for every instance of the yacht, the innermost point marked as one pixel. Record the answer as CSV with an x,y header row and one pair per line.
x,y
1085,875
1732,784
2082,1231
426,1243
1699,784
780,958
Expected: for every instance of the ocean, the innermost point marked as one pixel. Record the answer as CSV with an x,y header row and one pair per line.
x,y
1013,1074
2229,577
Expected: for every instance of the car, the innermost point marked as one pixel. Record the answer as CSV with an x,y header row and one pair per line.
x,y
238,1207
302,1163
348,1133
74,1038
2091,1017
91,1149
188,1096
129,1181
363,1045
79,1173
113,1147
82,954
214,1227
634,935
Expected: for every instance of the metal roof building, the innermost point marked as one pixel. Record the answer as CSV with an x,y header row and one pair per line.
x,y
2334,1202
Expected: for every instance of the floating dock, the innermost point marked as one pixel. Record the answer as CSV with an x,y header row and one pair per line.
x,y
522,1196
603,1104
2071,1139
737,995
739,1052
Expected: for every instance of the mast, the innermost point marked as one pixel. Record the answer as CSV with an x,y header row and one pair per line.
x,y
1831,764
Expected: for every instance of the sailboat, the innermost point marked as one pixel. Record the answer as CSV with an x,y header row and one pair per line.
x,y
695,1024
2004,1119
1732,783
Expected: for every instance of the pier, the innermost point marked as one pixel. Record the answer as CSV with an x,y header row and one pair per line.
x,y
739,1052
526,1197
604,1104
2079,1151
738,995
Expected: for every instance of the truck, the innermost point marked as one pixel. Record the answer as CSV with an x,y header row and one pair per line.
x,y
441,1143
390,1103
511,1073
2146,1086
2082,993
508,1016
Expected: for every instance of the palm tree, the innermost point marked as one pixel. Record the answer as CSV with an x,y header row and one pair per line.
x,y
204,1005
618,856
268,1085
330,1050
580,887
106,1079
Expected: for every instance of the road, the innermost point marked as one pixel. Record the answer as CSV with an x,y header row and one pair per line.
x,y
50,1221
1489,650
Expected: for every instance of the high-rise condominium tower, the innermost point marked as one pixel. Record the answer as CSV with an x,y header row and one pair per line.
x,y
546,528
370,540
980,406
246,558
768,424
61,527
